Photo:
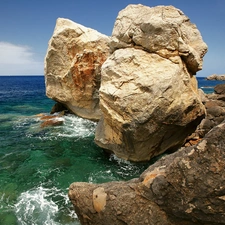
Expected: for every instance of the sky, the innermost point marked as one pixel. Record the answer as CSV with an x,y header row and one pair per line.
x,y
27,25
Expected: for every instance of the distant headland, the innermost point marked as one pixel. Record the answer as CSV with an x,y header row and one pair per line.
x,y
216,77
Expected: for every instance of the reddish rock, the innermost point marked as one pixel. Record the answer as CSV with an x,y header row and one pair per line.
x,y
51,122
72,67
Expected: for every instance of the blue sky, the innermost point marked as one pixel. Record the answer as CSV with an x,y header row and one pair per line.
x,y
27,25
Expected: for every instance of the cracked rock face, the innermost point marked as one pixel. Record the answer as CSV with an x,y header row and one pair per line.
x,y
164,30
149,104
72,67
148,94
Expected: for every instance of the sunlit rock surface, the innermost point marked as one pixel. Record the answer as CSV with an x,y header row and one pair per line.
x,y
148,93
72,67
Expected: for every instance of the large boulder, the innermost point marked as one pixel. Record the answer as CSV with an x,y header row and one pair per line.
x,y
72,67
164,30
148,94
183,188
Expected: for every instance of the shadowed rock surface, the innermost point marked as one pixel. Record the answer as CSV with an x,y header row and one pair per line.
x,y
215,113
184,188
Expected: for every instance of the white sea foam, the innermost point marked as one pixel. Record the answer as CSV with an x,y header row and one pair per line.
x,y
113,157
77,127
102,176
72,127
42,206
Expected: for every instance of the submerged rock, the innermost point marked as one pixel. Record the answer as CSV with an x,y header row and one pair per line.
x,y
186,187
51,120
148,94
72,67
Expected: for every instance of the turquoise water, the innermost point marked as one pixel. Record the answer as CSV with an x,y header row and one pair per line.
x,y
37,165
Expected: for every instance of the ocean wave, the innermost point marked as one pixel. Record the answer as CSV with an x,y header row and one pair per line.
x,y
77,127
207,87
44,206
72,127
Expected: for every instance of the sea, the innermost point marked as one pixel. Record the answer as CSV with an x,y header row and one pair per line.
x,y
37,164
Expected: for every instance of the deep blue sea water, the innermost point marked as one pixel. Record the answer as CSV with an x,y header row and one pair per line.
x,y
208,85
37,165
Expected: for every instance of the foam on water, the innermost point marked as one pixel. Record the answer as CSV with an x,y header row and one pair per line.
x,y
44,206
72,127
77,127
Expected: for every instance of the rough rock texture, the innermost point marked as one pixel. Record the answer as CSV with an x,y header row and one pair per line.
x,y
220,89
216,77
184,188
72,67
149,105
164,30
148,94
215,114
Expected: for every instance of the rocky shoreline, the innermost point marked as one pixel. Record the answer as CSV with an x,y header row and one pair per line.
x,y
140,86
185,187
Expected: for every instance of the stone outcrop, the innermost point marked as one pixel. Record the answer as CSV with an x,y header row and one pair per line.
x,y
148,94
215,114
183,188
216,77
72,67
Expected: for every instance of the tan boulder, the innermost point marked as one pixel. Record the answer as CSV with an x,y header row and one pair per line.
x,y
72,67
149,104
164,30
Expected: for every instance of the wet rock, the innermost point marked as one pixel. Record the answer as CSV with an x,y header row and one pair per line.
x,y
51,120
